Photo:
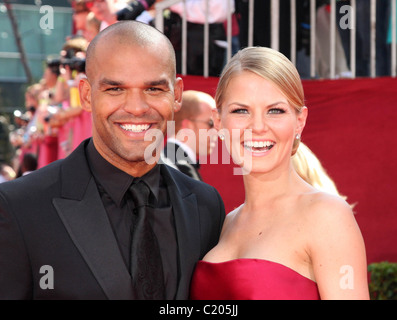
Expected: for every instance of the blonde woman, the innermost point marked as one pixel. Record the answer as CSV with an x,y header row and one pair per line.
x,y
287,240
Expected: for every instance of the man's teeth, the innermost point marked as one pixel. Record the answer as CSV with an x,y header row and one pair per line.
x,y
261,145
135,127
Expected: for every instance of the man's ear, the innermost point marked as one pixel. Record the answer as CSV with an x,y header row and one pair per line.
x,y
178,89
85,95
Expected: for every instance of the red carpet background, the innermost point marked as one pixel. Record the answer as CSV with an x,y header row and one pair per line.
x,y
352,128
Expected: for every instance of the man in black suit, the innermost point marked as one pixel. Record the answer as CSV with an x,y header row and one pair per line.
x,y
65,228
195,135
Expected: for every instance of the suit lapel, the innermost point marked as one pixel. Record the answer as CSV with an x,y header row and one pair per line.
x,y
186,215
87,223
81,211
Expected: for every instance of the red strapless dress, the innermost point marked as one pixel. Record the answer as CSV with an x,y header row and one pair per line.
x,y
250,279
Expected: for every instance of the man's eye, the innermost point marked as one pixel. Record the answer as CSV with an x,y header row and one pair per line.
x,y
276,111
113,89
154,89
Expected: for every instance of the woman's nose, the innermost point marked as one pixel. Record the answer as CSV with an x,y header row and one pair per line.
x,y
258,123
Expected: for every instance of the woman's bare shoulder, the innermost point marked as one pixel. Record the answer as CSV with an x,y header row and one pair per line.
x,y
320,205
330,218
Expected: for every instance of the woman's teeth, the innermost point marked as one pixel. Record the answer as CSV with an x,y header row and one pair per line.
x,y
258,145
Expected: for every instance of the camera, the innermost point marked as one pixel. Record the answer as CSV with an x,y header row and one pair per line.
x,y
69,59
51,110
74,63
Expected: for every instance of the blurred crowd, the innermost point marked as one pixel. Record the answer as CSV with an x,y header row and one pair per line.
x,y
54,123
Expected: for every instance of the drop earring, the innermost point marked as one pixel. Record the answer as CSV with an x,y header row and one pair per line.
x,y
298,136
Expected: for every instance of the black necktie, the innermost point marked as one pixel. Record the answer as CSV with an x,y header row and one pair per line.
x,y
146,264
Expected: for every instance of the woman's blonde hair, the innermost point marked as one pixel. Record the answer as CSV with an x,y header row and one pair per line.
x,y
310,169
270,65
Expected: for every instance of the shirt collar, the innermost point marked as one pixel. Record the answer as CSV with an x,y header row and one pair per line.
x,y
116,182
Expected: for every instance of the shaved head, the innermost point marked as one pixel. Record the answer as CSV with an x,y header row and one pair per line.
x,y
131,33
131,83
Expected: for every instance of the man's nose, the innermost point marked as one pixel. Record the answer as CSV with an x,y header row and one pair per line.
x,y
136,103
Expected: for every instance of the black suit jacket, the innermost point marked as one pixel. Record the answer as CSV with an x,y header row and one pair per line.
x,y
53,223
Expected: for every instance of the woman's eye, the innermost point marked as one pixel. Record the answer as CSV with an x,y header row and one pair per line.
x,y
239,110
276,111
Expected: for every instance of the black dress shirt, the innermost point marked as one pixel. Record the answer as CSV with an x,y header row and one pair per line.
x,y
112,184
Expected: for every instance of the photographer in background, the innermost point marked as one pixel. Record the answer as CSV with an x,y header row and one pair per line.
x,y
71,62
68,120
